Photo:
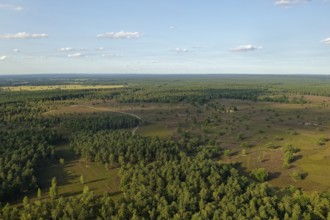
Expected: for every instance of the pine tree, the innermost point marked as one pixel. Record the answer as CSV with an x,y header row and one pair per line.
x,y
39,193
82,179
53,189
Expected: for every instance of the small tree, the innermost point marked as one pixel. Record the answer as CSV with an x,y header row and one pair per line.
x,y
25,202
39,193
53,189
227,153
61,161
82,179
260,174
296,175
111,159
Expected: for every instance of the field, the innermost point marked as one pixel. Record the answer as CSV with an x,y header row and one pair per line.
x,y
58,87
96,176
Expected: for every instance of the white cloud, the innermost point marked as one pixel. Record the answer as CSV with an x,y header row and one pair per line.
x,y
245,48
3,57
16,50
76,55
11,7
28,57
112,55
100,48
120,35
326,41
171,27
22,35
288,3
65,49
34,58
181,50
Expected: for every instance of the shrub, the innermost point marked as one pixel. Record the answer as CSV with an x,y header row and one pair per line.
x,y
260,174
227,153
297,175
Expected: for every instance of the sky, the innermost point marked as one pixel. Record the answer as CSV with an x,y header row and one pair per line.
x,y
165,36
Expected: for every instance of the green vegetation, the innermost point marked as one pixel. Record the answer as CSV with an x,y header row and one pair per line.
x,y
160,147
297,175
260,174
289,151
100,122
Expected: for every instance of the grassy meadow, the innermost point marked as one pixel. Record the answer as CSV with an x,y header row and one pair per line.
x,y
255,133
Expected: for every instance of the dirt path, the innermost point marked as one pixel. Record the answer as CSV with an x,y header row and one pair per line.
x,y
110,110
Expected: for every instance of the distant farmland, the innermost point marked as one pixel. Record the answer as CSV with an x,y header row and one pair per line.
x,y
58,87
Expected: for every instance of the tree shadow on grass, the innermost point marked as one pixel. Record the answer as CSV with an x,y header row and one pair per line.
x,y
54,169
241,170
296,157
304,175
264,160
115,193
273,175
71,194
94,181
47,171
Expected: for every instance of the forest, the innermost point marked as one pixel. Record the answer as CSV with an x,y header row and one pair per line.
x,y
164,147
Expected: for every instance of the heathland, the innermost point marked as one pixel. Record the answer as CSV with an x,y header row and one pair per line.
x,y
164,147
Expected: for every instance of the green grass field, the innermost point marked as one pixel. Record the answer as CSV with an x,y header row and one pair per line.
x,y
155,130
96,176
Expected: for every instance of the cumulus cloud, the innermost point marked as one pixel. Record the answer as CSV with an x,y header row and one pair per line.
x,y
11,7
120,35
3,57
16,50
326,41
65,49
245,48
76,55
288,3
23,35
181,50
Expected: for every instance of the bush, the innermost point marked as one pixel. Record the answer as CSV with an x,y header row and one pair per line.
x,y
247,145
260,174
273,146
298,175
227,153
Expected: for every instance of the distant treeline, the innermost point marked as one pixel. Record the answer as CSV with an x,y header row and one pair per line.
x,y
171,89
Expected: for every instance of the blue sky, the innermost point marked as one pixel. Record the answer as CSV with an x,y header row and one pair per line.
x,y
165,36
